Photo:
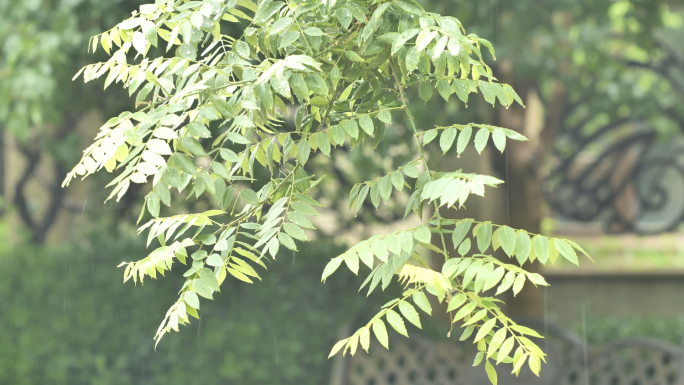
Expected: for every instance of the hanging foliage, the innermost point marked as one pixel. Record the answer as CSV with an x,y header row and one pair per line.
x,y
205,115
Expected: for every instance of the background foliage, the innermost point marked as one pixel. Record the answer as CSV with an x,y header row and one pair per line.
x,y
52,46
90,329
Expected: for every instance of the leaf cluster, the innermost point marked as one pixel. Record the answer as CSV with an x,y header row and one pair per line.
x,y
339,70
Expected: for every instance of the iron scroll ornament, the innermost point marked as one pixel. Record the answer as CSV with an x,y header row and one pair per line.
x,y
632,183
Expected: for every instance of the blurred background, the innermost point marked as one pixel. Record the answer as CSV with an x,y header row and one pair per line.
x,y
603,82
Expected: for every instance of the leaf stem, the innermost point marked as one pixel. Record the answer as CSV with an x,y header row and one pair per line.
x,y
420,148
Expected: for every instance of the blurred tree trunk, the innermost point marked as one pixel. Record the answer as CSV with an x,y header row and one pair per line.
x,y
526,164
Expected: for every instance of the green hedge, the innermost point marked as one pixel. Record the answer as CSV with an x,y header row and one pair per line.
x,y
66,318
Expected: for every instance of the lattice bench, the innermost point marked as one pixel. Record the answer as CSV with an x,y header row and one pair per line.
x,y
417,360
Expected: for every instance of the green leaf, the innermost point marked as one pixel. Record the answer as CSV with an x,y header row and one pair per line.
x,y
397,179
566,250
537,279
323,143
523,246
287,241
366,124
467,333
304,208
361,197
485,329
422,234
191,144
183,163
491,373
476,317
385,187
364,339
411,171
494,278
463,139
149,30
484,236
471,272
380,249
265,96
353,56
330,268
424,38
280,25
303,151
460,232
465,310
351,128
241,121
207,276
396,322
518,284
402,39
421,300
464,248
249,197
412,59
242,48
199,129
316,84
447,139
295,232
505,349
553,252
352,261
506,283
425,91
153,204
336,348
488,91
411,6
207,239
534,364
507,240
199,255
300,220
287,39
366,256
385,116
541,248
410,313
313,31
496,341
499,139
191,299
380,332
456,302
429,136
444,89
481,139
